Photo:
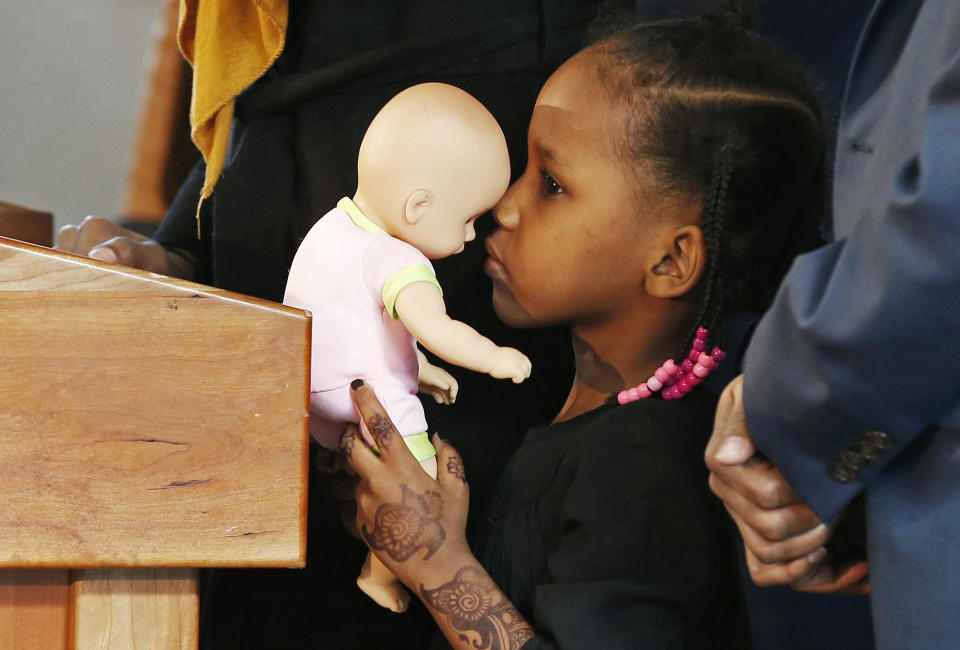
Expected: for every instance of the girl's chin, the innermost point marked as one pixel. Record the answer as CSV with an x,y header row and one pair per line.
x,y
509,310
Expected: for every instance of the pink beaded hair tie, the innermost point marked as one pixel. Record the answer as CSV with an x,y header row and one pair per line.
x,y
676,381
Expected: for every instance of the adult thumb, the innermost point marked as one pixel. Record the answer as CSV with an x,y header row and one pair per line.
x,y
730,443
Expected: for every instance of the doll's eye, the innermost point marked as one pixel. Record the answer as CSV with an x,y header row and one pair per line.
x,y
550,185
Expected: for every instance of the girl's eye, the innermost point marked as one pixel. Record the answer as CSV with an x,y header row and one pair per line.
x,y
550,185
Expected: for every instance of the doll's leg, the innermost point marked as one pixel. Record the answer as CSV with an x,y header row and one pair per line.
x,y
377,581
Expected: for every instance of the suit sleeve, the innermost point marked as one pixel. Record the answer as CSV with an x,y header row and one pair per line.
x,y
858,357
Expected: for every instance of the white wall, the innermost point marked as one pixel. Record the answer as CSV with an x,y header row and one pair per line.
x,y
70,89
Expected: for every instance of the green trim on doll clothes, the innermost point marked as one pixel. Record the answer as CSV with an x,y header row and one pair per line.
x,y
419,445
399,279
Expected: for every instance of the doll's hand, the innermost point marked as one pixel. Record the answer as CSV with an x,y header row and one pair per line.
x,y
509,363
415,524
103,240
437,382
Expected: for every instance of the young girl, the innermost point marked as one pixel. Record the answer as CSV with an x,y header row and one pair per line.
x,y
674,170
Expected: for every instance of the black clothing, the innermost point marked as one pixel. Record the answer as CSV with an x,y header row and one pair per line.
x,y
292,155
604,533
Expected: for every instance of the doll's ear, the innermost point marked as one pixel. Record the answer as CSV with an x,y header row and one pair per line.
x,y
417,205
678,263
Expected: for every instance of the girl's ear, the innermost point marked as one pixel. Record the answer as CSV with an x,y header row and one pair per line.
x,y
417,205
678,263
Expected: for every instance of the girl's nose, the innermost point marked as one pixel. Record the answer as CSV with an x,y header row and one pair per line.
x,y
470,233
505,212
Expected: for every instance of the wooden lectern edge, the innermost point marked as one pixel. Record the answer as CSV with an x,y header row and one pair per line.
x,y
150,276
299,561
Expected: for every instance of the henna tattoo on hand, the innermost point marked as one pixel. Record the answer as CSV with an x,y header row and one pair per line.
x,y
473,603
401,529
383,431
348,440
455,467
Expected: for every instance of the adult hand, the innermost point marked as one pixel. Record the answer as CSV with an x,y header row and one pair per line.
x,y
415,524
784,539
103,240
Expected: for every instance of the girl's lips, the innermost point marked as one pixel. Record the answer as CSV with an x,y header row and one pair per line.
x,y
493,266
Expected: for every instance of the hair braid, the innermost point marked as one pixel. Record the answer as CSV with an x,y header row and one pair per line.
x,y
714,224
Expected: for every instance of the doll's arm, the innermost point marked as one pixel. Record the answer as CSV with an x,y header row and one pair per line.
x,y
422,311
436,382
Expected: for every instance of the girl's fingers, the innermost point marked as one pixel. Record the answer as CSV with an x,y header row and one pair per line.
x,y
450,470
374,416
357,454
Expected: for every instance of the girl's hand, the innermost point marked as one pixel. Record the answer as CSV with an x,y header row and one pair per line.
x,y
416,525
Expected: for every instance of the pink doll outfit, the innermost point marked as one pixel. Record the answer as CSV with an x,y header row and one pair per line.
x,y
348,273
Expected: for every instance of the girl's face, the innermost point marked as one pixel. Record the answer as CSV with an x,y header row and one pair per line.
x,y
574,230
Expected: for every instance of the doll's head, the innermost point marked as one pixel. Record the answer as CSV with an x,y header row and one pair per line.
x,y
431,162
674,170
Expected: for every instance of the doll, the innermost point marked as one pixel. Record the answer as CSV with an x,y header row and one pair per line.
x,y
432,161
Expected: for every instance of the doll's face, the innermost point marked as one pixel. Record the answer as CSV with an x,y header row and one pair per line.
x,y
456,203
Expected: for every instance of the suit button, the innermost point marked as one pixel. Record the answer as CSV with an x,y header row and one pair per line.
x,y
852,459
878,439
842,472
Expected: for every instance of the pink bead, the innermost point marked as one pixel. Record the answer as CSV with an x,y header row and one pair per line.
x,y
669,366
694,355
633,394
671,381
684,385
654,384
661,374
622,397
702,332
673,393
718,355
700,371
706,361
692,380
686,366
699,345
644,391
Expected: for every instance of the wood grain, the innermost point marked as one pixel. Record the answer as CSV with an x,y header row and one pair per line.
x,y
134,609
34,609
26,224
146,421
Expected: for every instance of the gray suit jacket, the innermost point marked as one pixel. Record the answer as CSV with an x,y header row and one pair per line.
x,y
852,379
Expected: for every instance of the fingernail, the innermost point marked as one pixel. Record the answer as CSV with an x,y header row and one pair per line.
x,y
733,450
104,255
356,383
816,556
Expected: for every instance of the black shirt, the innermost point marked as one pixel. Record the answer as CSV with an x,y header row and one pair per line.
x,y
604,533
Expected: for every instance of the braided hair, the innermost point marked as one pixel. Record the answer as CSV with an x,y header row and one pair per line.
x,y
717,112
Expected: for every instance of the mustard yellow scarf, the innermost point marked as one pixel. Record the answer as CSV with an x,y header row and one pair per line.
x,y
230,44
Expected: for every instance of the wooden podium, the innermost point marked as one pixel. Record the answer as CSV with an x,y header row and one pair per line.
x,y
148,426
